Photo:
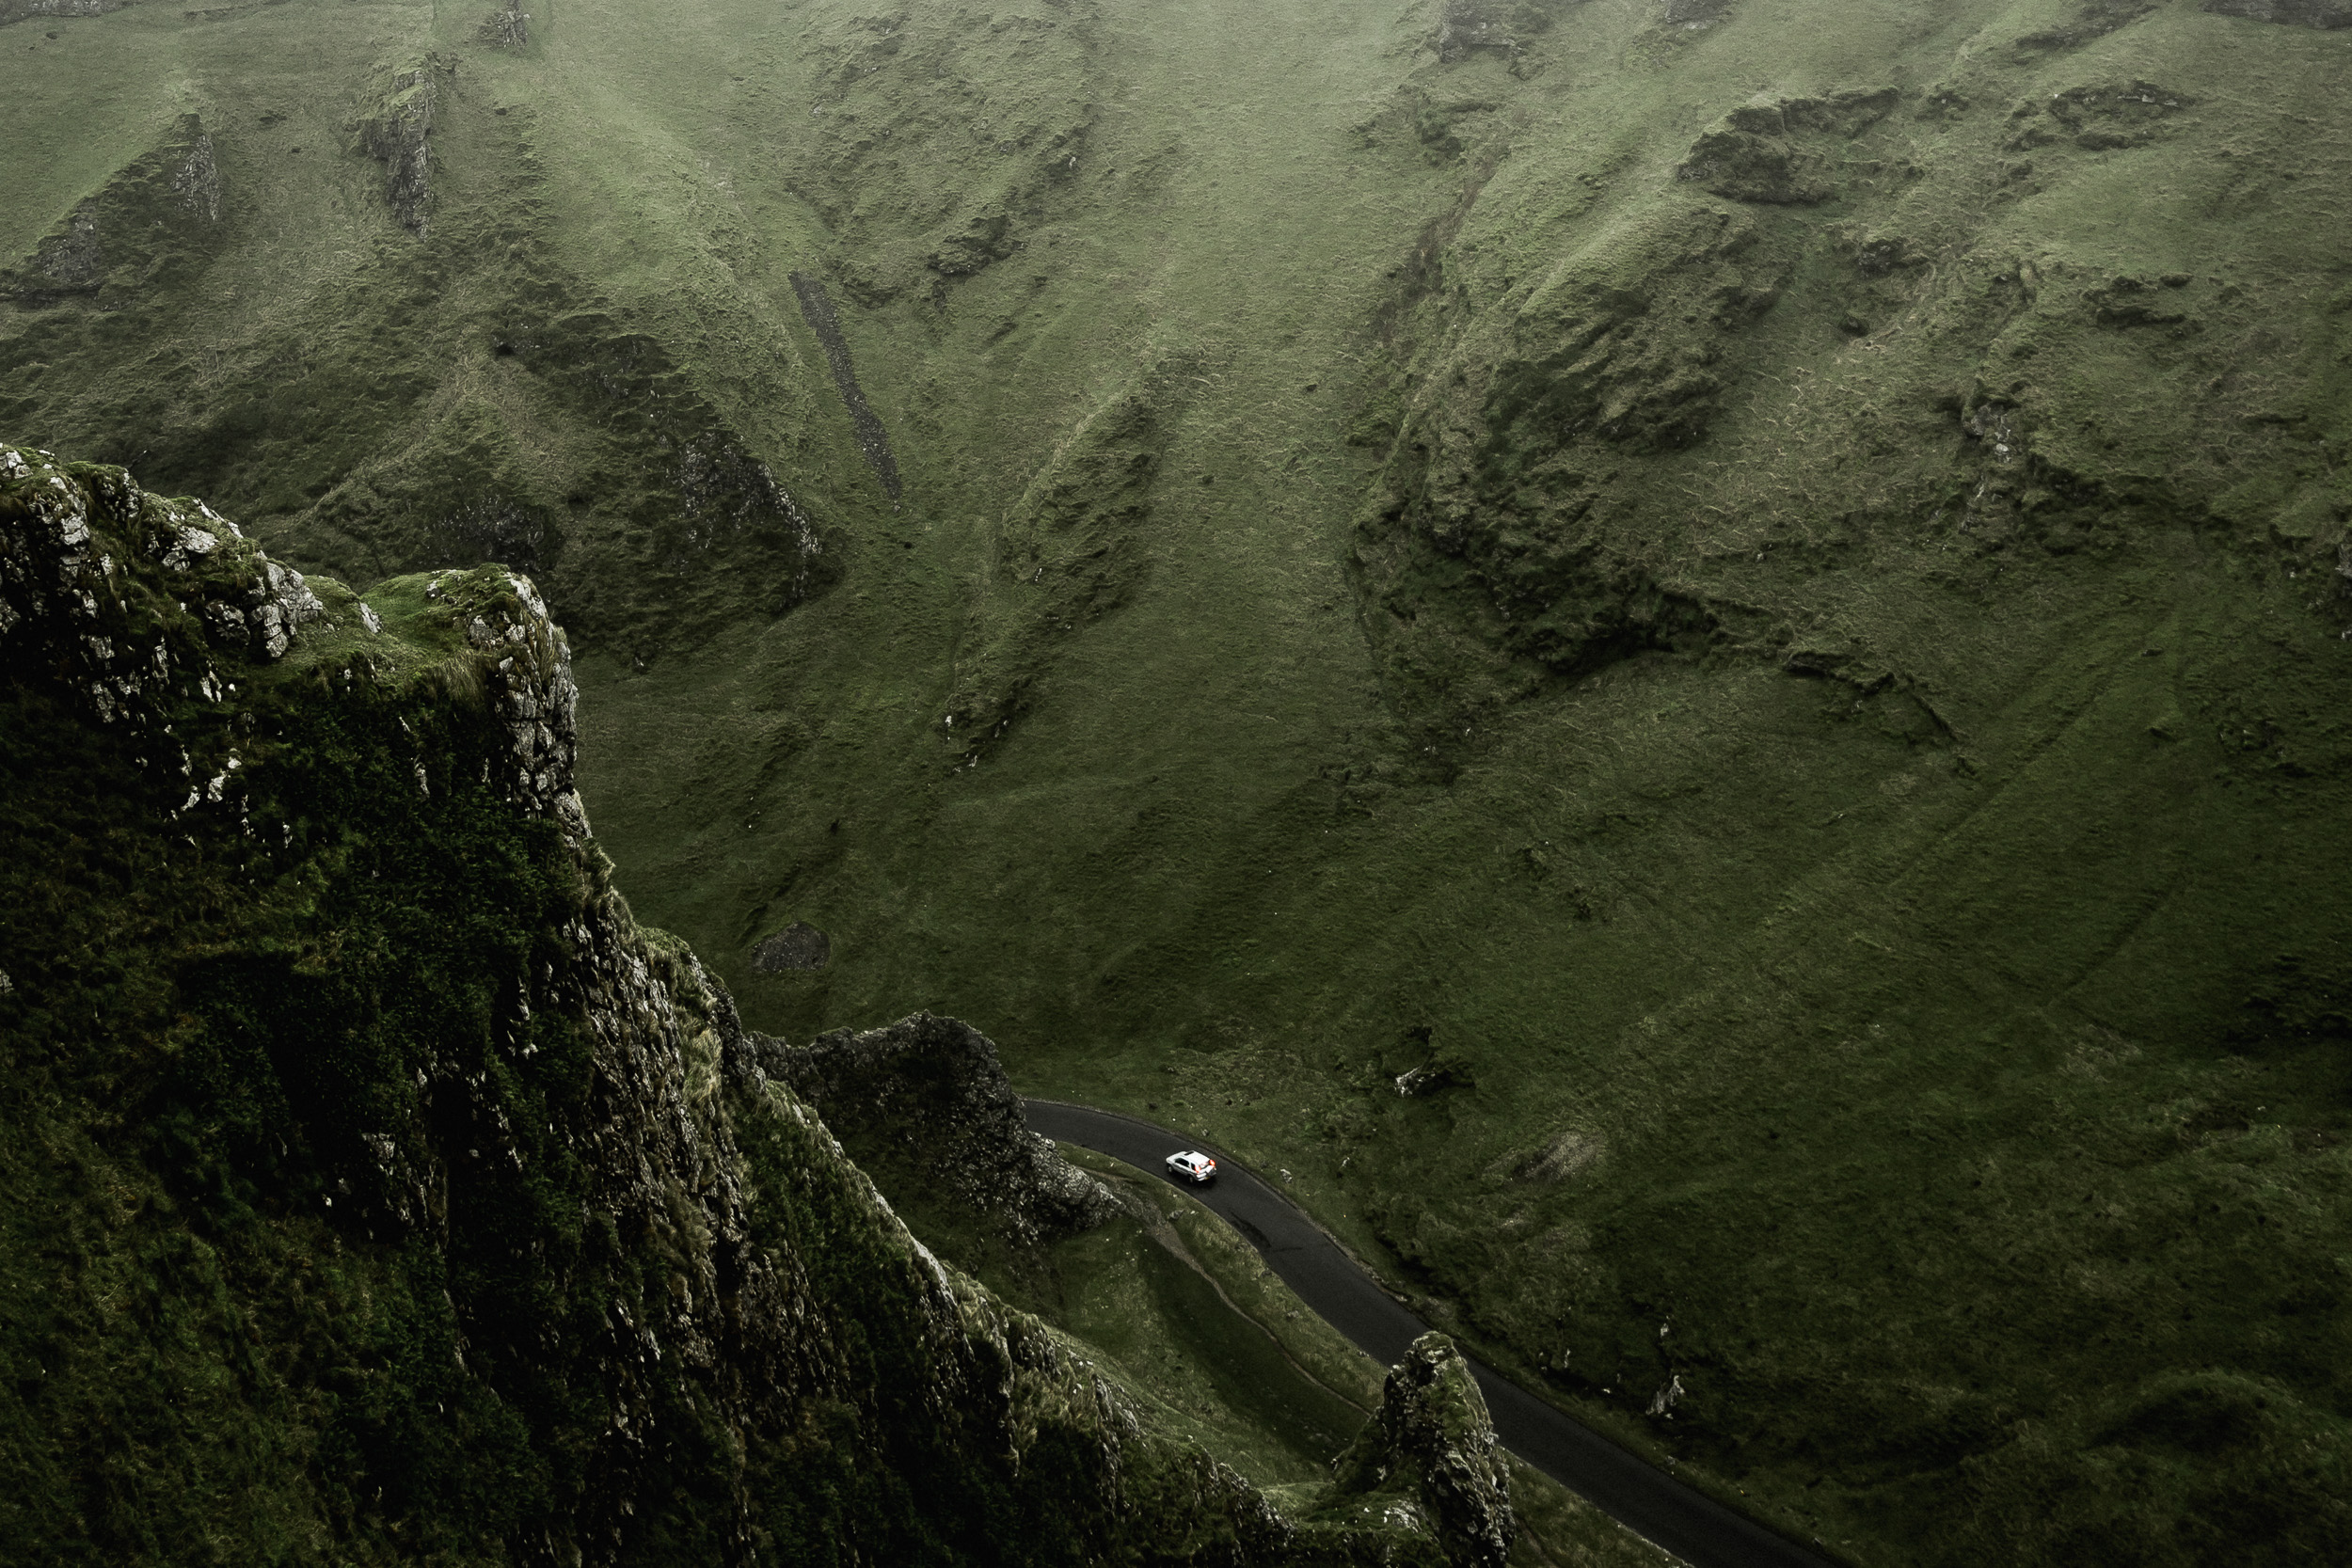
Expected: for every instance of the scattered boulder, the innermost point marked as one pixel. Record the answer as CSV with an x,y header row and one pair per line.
x,y
1433,1439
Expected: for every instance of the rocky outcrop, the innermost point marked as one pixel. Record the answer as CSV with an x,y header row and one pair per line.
x,y
399,135
798,945
69,592
156,215
929,1093
1781,151
508,28
25,10
496,1238
1433,1439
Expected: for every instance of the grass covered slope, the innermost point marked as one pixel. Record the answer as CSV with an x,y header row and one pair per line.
x,y
1746,598
381,1191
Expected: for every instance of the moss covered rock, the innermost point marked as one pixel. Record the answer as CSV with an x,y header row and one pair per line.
x,y
381,1191
1433,1440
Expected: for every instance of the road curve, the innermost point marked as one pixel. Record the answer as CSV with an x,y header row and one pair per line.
x,y
1646,1500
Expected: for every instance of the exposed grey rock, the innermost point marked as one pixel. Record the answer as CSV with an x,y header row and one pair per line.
x,y
25,10
64,602
508,28
726,493
399,136
1432,1438
931,1091
531,690
195,178
74,258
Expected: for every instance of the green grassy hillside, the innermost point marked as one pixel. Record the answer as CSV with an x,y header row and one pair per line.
x,y
1690,656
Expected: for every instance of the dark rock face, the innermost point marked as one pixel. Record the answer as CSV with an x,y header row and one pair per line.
x,y
399,135
798,945
524,1249
1501,27
929,1092
1432,1437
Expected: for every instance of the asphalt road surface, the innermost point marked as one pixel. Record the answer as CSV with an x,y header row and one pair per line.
x,y
1319,1271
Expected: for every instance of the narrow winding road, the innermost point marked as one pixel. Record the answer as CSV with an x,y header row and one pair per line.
x,y
1319,1271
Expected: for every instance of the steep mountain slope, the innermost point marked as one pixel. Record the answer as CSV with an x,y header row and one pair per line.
x,y
379,1190
1687,655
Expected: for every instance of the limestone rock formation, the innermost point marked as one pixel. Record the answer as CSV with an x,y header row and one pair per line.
x,y
931,1091
399,135
458,1217
1432,1438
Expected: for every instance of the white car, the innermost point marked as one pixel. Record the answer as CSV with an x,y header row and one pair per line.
x,y
1193,1166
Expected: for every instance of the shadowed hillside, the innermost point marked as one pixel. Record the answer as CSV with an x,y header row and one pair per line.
x,y
1690,655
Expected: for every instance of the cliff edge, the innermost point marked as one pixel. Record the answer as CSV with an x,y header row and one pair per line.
x,y
382,1190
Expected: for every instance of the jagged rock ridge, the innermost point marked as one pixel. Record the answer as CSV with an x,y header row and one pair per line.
x,y
497,1240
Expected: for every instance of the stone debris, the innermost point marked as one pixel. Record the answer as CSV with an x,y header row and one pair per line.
x,y
196,177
